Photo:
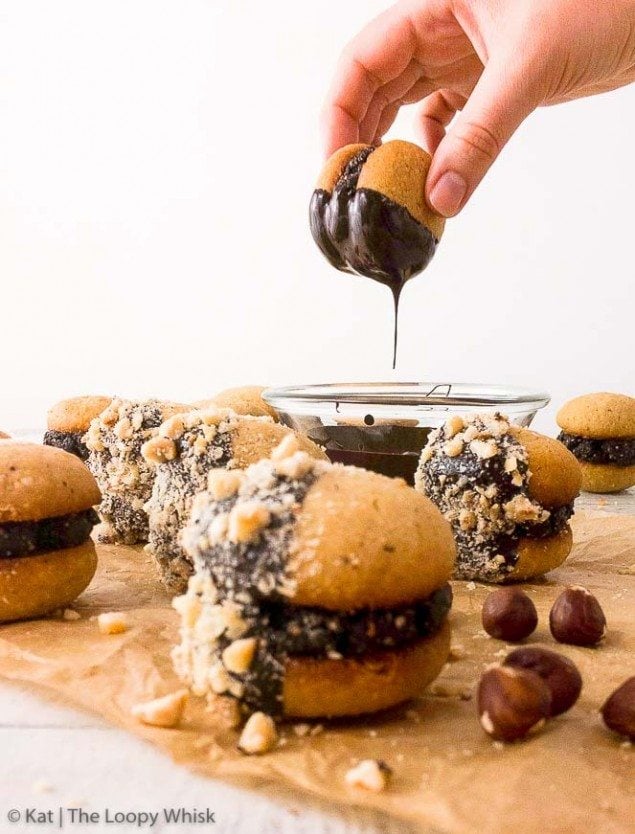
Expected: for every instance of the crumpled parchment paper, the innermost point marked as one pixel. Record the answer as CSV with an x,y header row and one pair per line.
x,y
448,775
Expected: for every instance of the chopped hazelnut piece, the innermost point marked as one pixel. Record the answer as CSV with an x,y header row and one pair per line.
x,y
247,520
287,447
223,483
453,426
370,775
259,734
295,466
219,679
453,447
173,428
483,449
159,450
113,622
162,712
237,657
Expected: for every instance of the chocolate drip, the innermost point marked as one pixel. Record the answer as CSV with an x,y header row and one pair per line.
x,y
363,231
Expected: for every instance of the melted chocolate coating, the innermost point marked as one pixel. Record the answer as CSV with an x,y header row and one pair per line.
x,y
363,231
69,441
615,451
24,538
285,630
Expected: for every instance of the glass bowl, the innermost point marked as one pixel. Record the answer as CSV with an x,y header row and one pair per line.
x,y
383,426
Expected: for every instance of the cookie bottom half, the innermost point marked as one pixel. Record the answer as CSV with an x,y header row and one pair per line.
x,y
31,586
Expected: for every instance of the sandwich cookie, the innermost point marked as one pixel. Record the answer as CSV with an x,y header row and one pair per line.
x,y
185,449
600,431
68,421
507,492
47,557
245,400
319,589
114,440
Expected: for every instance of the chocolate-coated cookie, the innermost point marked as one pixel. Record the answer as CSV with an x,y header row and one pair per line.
x,y
507,492
184,450
327,585
68,421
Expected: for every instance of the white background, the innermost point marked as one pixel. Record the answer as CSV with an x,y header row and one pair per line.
x,y
156,162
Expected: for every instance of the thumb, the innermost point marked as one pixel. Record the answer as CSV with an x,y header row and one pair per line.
x,y
497,106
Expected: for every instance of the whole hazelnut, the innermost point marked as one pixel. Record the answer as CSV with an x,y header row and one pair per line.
x,y
512,702
509,614
559,673
618,711
577,618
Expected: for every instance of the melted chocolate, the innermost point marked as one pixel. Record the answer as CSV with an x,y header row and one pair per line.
x,y
24,538
363,231
615,451
394,466
69,441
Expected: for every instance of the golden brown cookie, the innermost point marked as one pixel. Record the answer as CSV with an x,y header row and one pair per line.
x,y
185,449
114,440
508,493
600,416
35,585
244,400
46,516
599,429
68,421
368,213
318,687
4,435
39,482
313,571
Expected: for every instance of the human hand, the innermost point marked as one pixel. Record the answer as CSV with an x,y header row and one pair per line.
x,y
491,61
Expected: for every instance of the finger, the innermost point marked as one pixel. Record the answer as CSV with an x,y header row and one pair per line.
x,y
499,103
399,91
435,114
378,55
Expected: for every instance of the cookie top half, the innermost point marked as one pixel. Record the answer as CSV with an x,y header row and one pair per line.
x,y
555,478
318,534
38,482
396,169
602,415
75,414
246,400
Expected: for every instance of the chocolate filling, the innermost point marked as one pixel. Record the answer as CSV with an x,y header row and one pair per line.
x,y
285,630
363,231
614,451
69,441
24,538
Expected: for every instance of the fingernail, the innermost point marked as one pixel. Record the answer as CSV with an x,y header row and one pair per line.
x,y
448,194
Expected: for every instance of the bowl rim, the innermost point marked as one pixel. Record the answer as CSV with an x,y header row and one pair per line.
x,y
400,394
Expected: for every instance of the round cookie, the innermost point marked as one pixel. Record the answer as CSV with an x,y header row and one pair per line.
x,y
4,436
185,449
508,493
245,400
267,574
68,420
114,440
599,429
368,212
46,516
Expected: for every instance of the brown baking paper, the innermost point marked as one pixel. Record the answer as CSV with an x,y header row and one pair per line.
x,y
448,775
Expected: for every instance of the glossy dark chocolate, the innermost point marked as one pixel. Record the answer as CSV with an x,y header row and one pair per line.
x,y
363,231
69,441
614,451
24,538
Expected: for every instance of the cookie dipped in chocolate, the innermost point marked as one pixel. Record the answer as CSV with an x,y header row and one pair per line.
x,y
368,214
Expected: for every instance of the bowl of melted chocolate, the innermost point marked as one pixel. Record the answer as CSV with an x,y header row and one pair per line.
x,y
383,426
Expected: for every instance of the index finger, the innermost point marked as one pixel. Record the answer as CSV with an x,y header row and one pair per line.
x,y
378,54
